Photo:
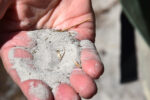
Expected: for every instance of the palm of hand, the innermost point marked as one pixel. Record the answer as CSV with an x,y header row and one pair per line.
x,y
25,15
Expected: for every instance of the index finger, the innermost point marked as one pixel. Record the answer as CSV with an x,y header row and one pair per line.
x,y
90,60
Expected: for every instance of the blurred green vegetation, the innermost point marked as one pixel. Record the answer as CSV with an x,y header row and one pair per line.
x,y
138,12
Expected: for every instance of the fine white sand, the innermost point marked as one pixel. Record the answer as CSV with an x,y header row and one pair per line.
x,y
39,91
55,55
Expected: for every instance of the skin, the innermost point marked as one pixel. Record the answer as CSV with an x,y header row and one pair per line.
x,y
17,17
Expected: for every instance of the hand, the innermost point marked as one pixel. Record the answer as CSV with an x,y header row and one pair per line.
x,y
17,17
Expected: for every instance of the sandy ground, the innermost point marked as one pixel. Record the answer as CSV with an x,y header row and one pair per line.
x,y
108,45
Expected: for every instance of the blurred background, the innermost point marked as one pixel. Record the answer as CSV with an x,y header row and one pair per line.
x,y
108,43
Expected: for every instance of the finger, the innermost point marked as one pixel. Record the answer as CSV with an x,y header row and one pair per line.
x,y
83,84
17,53
66,92
4,4
20,40
32,89
18,44
36,90
90,60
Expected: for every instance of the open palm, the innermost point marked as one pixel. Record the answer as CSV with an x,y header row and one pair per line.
x,y
20,16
